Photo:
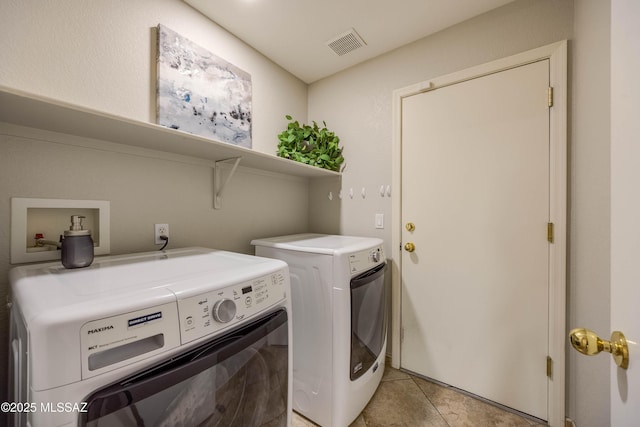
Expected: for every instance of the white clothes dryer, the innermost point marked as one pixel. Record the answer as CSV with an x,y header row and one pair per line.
x,y
188,336
339,321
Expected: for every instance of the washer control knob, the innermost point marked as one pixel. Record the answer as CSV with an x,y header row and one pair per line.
x,y
375,256
224,310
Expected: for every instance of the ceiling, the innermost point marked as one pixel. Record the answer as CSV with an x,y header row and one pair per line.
x,y
294,33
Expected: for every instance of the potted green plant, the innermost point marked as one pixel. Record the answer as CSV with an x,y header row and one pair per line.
x,y
311,145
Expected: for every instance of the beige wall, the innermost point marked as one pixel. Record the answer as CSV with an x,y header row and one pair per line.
x,y
100,55
357,105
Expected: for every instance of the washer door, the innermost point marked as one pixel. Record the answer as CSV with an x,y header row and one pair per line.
x,y
238,379
368,320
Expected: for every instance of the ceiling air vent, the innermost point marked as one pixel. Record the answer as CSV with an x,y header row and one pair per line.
x,y
345,43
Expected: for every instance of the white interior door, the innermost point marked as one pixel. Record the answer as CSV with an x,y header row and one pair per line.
x,y
475,182
625,208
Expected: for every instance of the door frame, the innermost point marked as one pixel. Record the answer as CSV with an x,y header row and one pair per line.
x,y
556,53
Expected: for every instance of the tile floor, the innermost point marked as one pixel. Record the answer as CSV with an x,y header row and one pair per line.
x,y
404,400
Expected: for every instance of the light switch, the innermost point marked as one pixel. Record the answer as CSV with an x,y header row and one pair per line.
x,y
379,220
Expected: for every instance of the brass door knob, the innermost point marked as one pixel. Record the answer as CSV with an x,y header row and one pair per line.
x,y
409,247
587,342
410,226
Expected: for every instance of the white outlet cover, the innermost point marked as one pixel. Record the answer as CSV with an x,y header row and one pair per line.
x,y
157,233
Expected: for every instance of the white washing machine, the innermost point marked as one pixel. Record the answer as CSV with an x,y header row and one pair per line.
x,y
188,336
339,321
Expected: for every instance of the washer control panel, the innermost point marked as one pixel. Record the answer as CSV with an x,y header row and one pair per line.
x,y
121,340
212,311
365,260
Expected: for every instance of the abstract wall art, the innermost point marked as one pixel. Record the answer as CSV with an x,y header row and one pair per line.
x,y
201,93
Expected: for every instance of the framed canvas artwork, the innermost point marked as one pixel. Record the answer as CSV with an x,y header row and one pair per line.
x,y
201,93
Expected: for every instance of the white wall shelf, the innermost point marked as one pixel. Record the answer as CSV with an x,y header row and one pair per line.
x,y
33,111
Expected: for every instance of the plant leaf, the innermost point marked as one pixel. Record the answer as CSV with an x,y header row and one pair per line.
x,y
310,144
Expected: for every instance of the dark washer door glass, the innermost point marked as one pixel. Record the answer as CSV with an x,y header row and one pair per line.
x,y
368,321
239,379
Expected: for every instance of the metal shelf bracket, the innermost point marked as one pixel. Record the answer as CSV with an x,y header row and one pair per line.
x,y
218,185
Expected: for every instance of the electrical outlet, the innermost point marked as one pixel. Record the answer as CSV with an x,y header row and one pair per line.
x,y
161,230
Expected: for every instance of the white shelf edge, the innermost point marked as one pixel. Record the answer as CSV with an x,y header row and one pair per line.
x,y
24,109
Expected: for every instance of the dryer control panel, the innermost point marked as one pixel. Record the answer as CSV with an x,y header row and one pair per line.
x,y
365,260
213,311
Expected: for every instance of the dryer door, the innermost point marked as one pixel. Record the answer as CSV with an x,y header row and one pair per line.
x,y
240,378
368,319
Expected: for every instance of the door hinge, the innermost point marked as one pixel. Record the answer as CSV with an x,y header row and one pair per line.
x,y
401,335
550,232
549,363
550,96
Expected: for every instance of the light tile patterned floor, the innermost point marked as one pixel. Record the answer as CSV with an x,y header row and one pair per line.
x,y
404,400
